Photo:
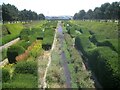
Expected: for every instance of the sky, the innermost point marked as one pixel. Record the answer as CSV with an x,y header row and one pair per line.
x,y
56,7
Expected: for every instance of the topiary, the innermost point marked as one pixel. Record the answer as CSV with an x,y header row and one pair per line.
x,y
14,51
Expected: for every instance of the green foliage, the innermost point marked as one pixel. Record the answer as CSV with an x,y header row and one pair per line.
x,y
11,13
48,38
100,57
14,31
26,67
14,51
78,74
5,75
22,81
4,54
102,12
24,34
101,49
24,44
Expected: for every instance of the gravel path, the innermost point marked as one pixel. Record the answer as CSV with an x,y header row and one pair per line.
x,y
48,57
63,58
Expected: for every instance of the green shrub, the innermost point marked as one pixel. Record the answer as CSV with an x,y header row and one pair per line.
x,y
21,81
23,43
14,51
48,39
8,38
24,34
5,75
26,67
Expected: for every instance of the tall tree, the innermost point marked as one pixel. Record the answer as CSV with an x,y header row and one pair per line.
x,y
41,17
9,12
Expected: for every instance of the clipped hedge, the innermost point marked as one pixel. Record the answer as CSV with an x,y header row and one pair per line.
x,y
5,75
24,34
48,39
14,51
102,56
26,67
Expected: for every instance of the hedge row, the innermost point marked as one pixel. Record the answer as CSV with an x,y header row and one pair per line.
x,y
101,56
100,40
48,38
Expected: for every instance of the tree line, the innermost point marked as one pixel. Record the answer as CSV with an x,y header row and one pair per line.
x,y
11,13
105,11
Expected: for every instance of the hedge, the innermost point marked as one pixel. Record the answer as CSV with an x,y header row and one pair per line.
x,y
14,51
5,75
26,67
48,39
100,56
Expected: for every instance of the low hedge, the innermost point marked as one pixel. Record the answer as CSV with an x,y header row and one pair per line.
x,y
24,34
5,75
48,39
14,51
26,67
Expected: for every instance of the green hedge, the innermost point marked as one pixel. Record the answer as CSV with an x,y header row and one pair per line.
x,y
5,75
26,67
101,56
14,51
48,39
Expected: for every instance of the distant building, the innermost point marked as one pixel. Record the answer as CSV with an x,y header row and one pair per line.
x,y
58,17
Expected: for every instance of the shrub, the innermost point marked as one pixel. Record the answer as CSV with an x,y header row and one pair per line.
x,y
14,51
26,67
48,39
4,54
24,34
5,75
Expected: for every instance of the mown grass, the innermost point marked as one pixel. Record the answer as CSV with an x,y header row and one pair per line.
x,y
14,31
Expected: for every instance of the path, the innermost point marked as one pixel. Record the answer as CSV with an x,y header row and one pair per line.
x,y
9,43
4,62
63,58
46,56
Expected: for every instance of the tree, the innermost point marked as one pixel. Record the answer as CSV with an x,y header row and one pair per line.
x,y
82,14
9,12
105,11
97,13
89,14
41,17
